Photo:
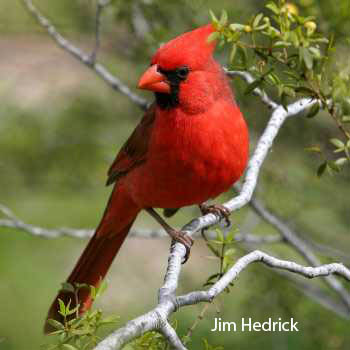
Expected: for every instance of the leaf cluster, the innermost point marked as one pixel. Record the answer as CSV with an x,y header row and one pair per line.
x,y
79,332
287,54
223,252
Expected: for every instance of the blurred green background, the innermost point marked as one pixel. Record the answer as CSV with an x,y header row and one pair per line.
x,y
60,128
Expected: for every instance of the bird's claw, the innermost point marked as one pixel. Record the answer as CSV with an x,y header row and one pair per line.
x,y
216,209
184,239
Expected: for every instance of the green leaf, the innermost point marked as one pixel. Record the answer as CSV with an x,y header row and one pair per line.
x,y
314,149
219,236
93,292
109,320
80,332
313,111
284,100
230,236
216,241
223,18
62,307
213,17
252,86
73,311
334,166
93,314
213,36
337,143
55,324
273,7
257,19
75,322
241,51
101,288
59,332
346,119
226,263
213,249
294,38
274,78
212,277
62,337
341,161
289,91
316,52
304,90
281,44
262,55
306,57
321,169
237,27
230,252
233,52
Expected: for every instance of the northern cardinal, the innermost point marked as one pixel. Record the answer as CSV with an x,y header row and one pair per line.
x,y
191,145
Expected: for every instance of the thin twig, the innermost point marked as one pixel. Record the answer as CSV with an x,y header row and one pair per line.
x,y
101,4
98,68
197,320
12,221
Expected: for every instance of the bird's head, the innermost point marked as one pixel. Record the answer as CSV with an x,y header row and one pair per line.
x,y
176,63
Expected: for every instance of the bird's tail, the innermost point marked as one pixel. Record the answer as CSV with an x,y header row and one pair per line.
x,y
97,257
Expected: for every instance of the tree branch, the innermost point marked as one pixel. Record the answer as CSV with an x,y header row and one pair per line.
x,y
101,4
139,22
85,58
157,318
257,91
12,221
293,239
316,294
313,292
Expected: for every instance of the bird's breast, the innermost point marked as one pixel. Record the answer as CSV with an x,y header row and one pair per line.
x,y
191,158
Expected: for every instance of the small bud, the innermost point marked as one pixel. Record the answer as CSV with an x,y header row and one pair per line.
x,y
291,8
310,25
247,29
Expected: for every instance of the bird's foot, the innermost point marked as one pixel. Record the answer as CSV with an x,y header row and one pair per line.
x,y
176,235
216,209
183,238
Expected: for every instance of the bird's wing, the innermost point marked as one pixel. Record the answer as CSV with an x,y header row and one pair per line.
x,y
134,151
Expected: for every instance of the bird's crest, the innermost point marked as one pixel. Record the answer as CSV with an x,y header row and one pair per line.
x,y
191,49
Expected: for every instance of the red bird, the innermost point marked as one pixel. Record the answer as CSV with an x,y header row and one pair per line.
x,y
190,146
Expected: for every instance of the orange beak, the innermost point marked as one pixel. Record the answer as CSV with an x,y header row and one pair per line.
x,y
154,81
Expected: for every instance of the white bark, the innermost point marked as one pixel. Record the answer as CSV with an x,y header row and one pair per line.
x,y
157,318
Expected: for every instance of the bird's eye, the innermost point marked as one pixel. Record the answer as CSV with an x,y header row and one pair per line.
x,y
182,72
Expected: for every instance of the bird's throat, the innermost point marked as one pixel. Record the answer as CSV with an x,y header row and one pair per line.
x,y
168,101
